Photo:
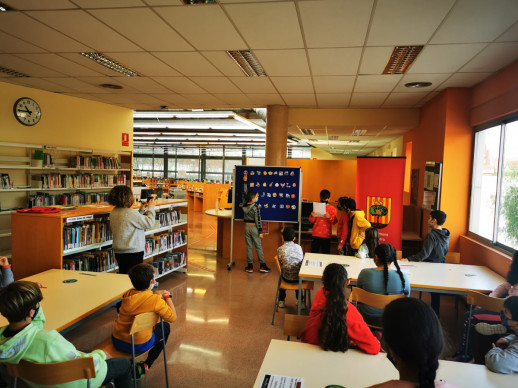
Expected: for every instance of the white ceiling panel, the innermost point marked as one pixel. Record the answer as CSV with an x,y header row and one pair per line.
x,y
404,99
464,80
144,63
224,63
293,84
283,62
89,96
97,81
143,27
493,58
164,2
237,99
299,99
171,99
336,100
406,22
254,85
57,63
278,23
368,99
79,25
375,59
39,83
12,45
29,68
202,99
435,79
108,3
444,58
206,28
86,62
476,21
145,85
334,83
337,61
216,84
376,83
266,99
24,5
189,64
335,23
76,84
511,35
179,84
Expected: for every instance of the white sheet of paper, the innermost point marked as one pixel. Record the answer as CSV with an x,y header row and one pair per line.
x,y
314,263
319,208
276,381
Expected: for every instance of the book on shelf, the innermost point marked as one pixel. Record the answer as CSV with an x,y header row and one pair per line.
x,y
168,262
6,182
76,181
85,233
95,261
169,217
163,241
66,199
96,162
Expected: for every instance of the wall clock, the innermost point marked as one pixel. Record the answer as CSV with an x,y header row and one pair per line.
x,y
27,111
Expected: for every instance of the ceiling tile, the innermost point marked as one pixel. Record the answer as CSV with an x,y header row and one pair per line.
x,y
511,35
464,80
444,58
224,63
254,85
38,83
145,85
406,22
283,62
143,27
179,84
97,81
201,99
165,2
76,85
336,100
265,99
404,99
376,83
493,58
171,99
26,67
25,5
375,59
58,63
473,21
337,61
206,28
144,63
216,84
267,26
299,99
336,23
189,64
435,79
80,26
12,45
334,84
236,100
368,99
293,84
86,62
108,3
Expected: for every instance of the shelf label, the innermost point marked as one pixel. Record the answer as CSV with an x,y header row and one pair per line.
x,y
80,218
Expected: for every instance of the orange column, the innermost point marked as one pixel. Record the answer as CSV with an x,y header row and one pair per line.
x,y
276,135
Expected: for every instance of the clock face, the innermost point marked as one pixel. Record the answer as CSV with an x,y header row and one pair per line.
x,y
27,111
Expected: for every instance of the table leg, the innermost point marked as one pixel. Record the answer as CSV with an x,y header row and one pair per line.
x,y
300,296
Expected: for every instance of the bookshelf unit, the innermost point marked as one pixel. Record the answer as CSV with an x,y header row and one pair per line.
x,y
38,239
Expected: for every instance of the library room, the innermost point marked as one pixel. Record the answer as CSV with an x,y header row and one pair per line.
x,y
189,186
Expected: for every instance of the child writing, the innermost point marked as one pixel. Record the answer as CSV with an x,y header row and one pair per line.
x,y
253,227
322,226
370,243
5,272
128,226
138,300
334,323
25,339
290,257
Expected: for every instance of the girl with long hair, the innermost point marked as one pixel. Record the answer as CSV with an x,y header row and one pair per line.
x,y
334,323
372,240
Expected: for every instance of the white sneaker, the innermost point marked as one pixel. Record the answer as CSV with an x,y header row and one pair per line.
x,y
281,304
302,307
489,329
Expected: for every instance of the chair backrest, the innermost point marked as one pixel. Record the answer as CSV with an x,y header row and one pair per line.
x,y
53,373
294,324
485,301
399,255
453,257
277,263
370,299
144,321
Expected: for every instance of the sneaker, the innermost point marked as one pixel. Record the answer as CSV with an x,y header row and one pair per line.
x,y
302,304
142,369
489,329
264,268
281,304
249,269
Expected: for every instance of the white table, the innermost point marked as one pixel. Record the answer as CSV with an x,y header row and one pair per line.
x,y
66,304
454,279
354,368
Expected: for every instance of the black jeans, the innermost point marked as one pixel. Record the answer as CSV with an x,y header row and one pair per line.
x,y
119,370
126,261
154,352
321,243
436,302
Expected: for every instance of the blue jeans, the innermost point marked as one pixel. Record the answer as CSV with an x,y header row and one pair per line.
x,y
119,370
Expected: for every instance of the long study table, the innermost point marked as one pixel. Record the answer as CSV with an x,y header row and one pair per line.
x,y
67,302
455,279
355,369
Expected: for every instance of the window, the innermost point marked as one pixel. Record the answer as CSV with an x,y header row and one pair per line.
x,y
494,194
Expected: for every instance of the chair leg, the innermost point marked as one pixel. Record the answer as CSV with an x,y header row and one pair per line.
x,y
309,296
276,299
469,329
15,382
165,355
134,361
420,294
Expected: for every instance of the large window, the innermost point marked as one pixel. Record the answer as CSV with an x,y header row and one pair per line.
x,y
494,194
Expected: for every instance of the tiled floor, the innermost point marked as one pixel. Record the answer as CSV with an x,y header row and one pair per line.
x,y
224,319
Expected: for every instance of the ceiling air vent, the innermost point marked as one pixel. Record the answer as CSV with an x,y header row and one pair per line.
x,y
401,59
12,73
359,132
307,132
247,63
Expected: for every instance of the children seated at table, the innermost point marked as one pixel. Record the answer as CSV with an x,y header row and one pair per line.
x,y
381,280
290,257
413,340
503,358
25,339
372,240
334,323
6,275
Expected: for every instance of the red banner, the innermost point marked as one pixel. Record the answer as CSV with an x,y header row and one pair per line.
x,y
379,193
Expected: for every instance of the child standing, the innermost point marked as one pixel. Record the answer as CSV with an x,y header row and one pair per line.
x,y
372,240
5,272
356,227
290,257
25,339
253,227
138,300
342,230
323,226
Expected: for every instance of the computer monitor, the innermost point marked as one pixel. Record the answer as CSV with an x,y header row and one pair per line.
x,y
306,209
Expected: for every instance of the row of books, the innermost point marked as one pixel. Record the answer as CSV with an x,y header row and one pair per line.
x,y
95,162
168,262
86,233
80,181
48,160
169,217
74,199
95,261
164,241
6,182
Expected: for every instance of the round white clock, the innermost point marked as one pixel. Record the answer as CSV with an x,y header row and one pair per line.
x,y
27,111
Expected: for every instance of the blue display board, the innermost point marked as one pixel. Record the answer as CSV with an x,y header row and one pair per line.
x,y
279,191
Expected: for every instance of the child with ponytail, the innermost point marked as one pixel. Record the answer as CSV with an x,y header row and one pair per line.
x,y
382,280
334,323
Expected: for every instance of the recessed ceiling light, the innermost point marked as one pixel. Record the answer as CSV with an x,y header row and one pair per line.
x,y
359,132
110,63
401,59
110,86
420,84
307,131
5,7
194,2
12,73
247,63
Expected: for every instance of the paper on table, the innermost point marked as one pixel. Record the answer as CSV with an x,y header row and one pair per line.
x,y
314,263
276,381
319,208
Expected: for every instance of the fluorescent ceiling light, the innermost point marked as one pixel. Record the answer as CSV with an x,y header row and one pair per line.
x,y
183,114
248,63
110,63
401,59
13,73
248,122
359,132
192,125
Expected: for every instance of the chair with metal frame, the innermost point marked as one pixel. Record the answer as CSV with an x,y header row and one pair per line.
x,y
379,301
294,324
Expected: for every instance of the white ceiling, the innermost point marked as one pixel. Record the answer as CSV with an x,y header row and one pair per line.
x,y
316,53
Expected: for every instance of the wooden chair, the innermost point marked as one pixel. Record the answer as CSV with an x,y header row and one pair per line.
x,y
141,322
378,301
399,255
53,373
294,324
487,302
453,257
306,287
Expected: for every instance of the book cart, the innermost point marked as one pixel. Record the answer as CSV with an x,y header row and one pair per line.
x,y
80,239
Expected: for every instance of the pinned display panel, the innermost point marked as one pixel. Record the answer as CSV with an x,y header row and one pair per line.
x,y
279,191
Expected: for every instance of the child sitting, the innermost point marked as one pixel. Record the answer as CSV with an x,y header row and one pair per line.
x,y
25,339
334,323
290,257
372,240
138,300
503,358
